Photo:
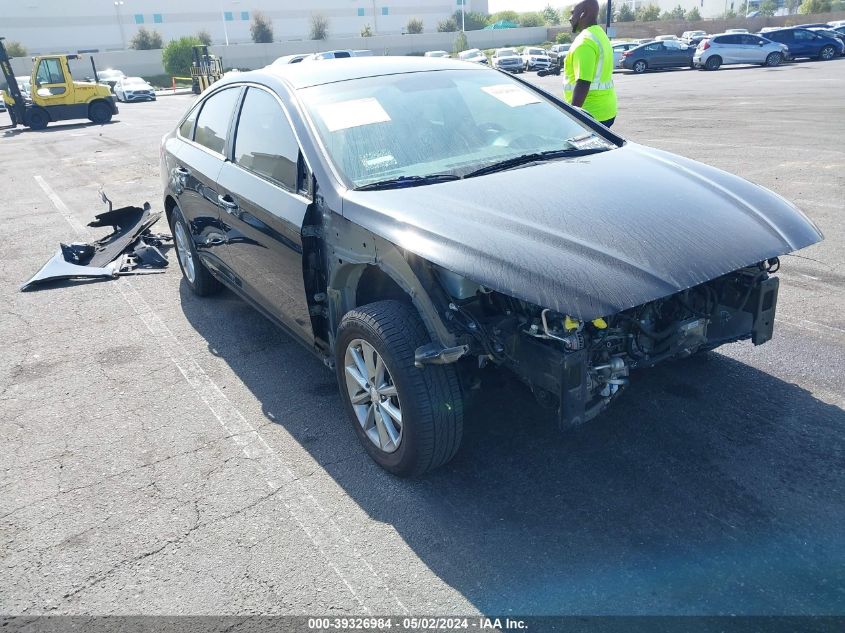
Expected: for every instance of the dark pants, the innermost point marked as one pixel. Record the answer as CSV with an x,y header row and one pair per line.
x,y
608,123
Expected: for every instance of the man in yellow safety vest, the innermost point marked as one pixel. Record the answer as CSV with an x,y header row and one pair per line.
x,y
588,67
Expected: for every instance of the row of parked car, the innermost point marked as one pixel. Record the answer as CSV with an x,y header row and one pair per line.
x,y
769,47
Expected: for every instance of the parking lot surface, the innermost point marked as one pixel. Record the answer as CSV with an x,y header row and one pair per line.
x,y
166,454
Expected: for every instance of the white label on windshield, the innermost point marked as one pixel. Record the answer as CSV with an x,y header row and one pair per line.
x,y
511,95
354,113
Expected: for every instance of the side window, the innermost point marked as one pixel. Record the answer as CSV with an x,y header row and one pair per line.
x,y
654,47
750,40
186,130
804,36
214,118
265,143
50,72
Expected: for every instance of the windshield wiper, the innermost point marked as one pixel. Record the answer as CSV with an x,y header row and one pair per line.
x,y
407,181
534,157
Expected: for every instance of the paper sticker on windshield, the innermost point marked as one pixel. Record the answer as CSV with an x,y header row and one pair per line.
x,y
511,95
354,113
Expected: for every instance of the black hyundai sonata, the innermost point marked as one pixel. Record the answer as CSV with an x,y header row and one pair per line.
x,y
419,223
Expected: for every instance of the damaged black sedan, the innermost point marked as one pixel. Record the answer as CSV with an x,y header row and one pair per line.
x,y
420,222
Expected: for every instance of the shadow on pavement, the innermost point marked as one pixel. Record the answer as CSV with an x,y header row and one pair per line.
x,y
711,487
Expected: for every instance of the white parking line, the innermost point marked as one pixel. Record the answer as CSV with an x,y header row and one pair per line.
x,y
365,584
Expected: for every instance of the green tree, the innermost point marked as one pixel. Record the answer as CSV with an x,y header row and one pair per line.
x,y
414,26
693,15
367,31
531,18
808,7
551,16
563,38
319,29
678,13
648,13
473,20
204,37
261,29
461,43
145,40
768,7
565,14
15,49
447,26
625,14
177,56
508,16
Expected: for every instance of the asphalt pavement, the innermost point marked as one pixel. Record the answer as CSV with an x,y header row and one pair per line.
x,y
165,454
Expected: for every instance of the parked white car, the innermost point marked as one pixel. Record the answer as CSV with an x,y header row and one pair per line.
x,y
836,24
436,54
507,59
535,58
340,54
665,38
736,30
474,55
128,89
738,48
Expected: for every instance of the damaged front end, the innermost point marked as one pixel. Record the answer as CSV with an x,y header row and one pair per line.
x,y
578,367
130,249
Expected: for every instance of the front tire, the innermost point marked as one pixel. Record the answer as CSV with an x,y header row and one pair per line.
x,y
409,419
639,67
773,59
37,119
827,53
201,282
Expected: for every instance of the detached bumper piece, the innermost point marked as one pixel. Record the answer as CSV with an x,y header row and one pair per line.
x,y
131,249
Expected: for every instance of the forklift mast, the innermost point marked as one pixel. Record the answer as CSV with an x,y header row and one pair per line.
x,y
17,110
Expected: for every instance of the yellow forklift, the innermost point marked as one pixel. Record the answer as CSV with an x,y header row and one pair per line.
x,y
206,68
55,96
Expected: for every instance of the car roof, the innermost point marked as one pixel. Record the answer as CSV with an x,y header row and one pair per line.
x,y
332,71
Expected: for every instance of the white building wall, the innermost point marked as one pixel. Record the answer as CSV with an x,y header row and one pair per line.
x,y
79,25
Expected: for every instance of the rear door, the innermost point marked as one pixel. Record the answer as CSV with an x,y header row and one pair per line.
x,y
729,48
196,165
264,196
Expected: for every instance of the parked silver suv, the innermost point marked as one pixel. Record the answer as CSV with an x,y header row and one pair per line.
x,y
738,48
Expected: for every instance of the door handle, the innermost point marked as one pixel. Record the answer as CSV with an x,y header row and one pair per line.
x,y
227,203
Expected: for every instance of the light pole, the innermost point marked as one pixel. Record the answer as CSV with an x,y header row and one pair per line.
x,y
463,16
375,19
117,5
225,30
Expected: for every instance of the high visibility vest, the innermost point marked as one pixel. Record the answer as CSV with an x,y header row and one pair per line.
x,y
602,96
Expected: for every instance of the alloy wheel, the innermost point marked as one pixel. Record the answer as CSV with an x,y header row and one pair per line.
x,y
183,250
373,395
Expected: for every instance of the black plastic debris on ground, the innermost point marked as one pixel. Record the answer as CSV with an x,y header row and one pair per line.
x,y
130,249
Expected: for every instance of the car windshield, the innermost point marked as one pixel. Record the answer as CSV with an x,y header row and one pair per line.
x,y
135,81
536,51
506,52
440,122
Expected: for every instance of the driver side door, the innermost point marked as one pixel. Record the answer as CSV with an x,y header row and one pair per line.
x,y
52,87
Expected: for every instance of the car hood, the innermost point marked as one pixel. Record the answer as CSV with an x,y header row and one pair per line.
x,y
589,236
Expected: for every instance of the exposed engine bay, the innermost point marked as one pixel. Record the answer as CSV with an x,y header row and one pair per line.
x,y
580,367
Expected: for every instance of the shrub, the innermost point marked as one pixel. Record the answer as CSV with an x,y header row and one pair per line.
x,y
447,26
204,37
145,40
414,26
531,18
815,6
177,56
461,43
15,49
261,29
319,29
563,38
367,31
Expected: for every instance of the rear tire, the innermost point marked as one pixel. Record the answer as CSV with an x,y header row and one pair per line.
x,y
99,113
201,282
713,63
773,59
428,400
37,119
827,53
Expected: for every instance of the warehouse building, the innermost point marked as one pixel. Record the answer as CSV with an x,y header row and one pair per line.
x,y
102,25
